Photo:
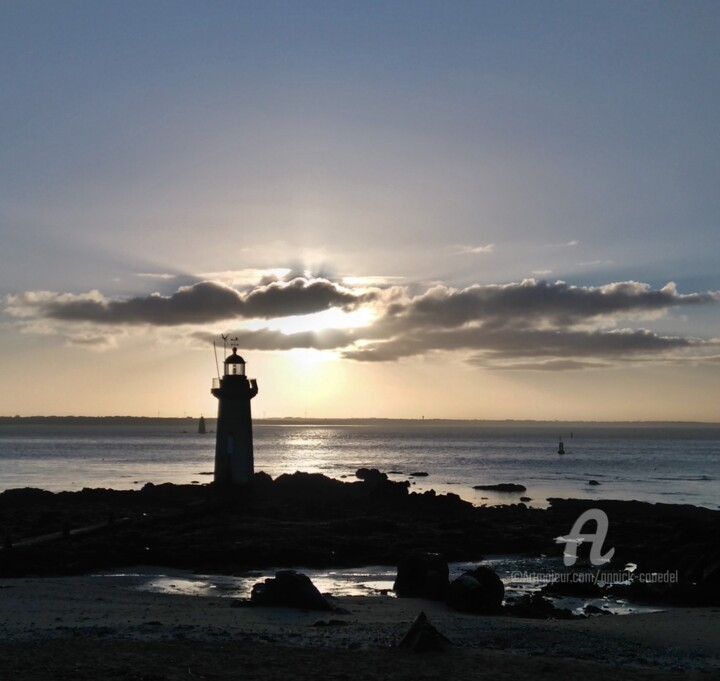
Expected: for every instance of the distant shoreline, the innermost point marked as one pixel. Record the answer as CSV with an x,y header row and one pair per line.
x,y
293,420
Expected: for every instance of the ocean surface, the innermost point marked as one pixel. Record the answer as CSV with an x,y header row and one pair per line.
x,y
669,464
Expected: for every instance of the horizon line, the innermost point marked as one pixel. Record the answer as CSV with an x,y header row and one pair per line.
x,y
331,419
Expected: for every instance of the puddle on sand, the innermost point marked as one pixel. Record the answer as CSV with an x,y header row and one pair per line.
x,y
371,580
520,574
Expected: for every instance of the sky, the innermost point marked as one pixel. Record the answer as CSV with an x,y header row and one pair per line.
x,y
465,209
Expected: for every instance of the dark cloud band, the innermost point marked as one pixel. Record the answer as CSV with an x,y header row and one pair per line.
x,y
206,302
526,325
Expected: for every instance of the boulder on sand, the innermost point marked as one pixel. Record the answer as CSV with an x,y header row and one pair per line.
x,y
422,575
478,591
291,589
535,606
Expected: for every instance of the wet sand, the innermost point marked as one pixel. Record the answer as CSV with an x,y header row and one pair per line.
x,y
104,627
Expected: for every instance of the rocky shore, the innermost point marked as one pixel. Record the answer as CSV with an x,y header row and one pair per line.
x,y
68,614
315,521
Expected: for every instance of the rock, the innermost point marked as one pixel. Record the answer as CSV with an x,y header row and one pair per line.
x,y
503,487
370,475
419,474
422,575
478,591
537,607
388,491
593,482
291,589
525,499
423,637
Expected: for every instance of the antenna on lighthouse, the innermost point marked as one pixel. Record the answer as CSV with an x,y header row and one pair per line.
x,y
224,346
217,365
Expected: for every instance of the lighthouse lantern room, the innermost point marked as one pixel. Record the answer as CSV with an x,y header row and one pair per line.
x,y
234,441
234,364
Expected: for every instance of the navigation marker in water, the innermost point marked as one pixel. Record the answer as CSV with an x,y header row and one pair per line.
x,y
234,440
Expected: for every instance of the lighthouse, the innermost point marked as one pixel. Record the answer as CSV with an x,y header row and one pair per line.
x,y
234,441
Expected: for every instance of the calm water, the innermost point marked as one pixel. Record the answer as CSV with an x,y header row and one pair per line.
x,y
369,580
667,464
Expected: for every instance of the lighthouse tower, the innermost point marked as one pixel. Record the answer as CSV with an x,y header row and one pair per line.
x,y
234,443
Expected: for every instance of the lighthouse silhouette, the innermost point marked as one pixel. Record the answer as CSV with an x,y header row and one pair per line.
x,y
234,441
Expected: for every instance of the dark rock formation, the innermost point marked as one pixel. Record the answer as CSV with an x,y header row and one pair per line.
x,y
372,475
423,637
478,591
422,575
503,487
290,589
312,520
536,607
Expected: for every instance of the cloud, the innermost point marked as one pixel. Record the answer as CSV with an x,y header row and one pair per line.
x,y
247,276
595,263
487,248
531,303
528,321
273,340
567,244
92,341
371,281
156,275
529,325
521,343
200,303
546,365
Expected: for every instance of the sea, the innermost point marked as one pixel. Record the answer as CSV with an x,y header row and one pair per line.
x,y
658,463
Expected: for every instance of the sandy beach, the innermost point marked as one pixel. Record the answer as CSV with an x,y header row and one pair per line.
x,y
104,626
75,604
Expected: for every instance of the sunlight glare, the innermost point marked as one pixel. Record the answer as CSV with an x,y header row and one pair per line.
x,y
319,321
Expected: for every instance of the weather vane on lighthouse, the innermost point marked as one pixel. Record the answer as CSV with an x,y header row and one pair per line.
x,y
234,441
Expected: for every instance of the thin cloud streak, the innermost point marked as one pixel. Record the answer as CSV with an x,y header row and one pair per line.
x,y
567,244
475,250
271,340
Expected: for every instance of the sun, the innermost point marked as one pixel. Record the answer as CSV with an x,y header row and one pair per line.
x,y
308,360
316,322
